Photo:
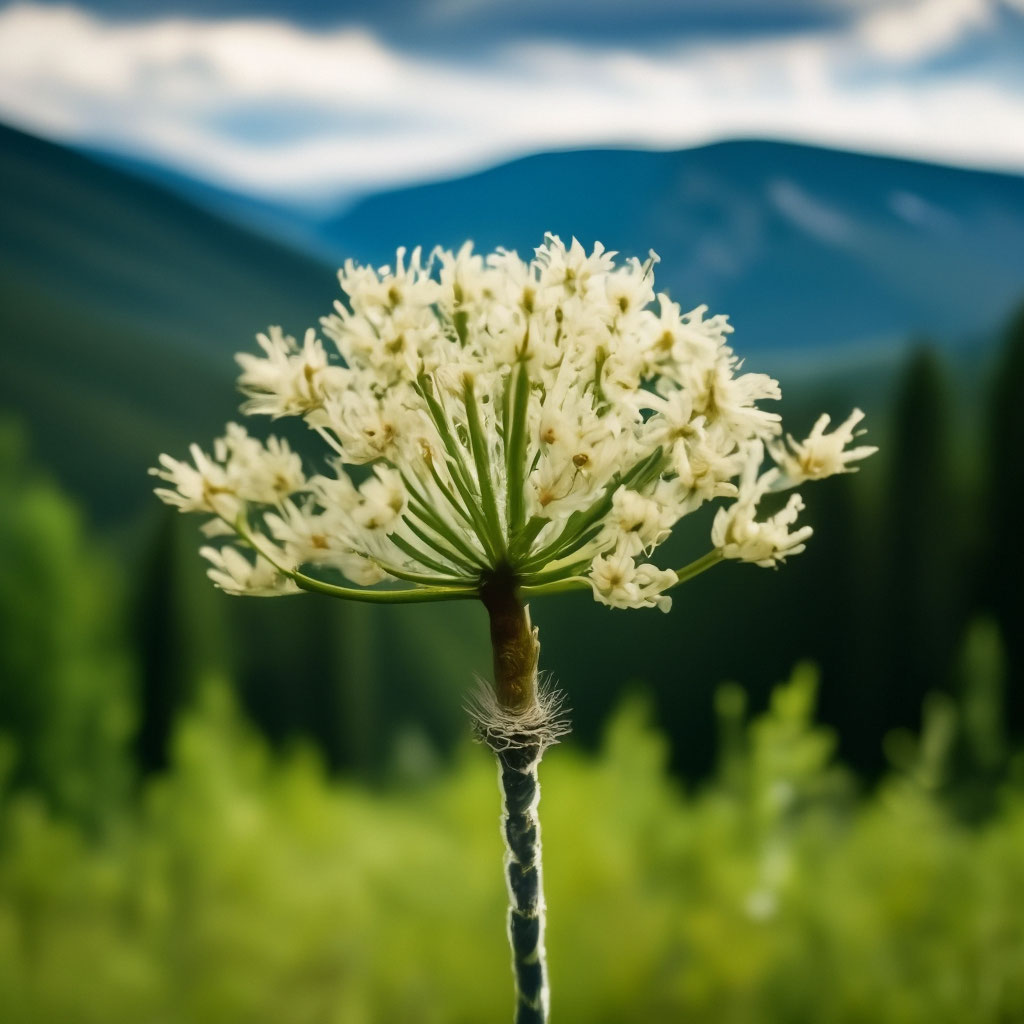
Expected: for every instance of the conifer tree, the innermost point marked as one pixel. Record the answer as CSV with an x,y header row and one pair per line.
x,y
1005,499
922,546
179,633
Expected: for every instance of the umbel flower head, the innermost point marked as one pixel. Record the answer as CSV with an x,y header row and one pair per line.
x,y
546,423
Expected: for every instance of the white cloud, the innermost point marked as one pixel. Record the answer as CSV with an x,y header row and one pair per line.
x,y
340,111
922,28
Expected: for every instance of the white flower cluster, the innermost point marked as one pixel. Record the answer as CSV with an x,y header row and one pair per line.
x,y
549,420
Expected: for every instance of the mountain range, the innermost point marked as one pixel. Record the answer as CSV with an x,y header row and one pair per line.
x,y
803,247
124,296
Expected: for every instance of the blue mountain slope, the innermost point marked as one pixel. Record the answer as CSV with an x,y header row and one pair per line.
x,y
108,240
801,246
120,307
295,225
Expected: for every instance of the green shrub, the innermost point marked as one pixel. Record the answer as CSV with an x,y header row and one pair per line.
x,y
249,887
66,681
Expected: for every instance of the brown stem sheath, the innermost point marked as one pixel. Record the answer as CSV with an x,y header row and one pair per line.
x,y
514,643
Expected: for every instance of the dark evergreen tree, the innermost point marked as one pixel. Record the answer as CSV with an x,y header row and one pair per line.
x,y
918,624
833,608
308,668
1004,593
178,626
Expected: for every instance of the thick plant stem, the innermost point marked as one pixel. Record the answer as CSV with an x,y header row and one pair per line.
x,y
520,789
515,646
519,721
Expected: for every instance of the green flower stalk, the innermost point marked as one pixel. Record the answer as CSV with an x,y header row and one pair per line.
x,y
524,429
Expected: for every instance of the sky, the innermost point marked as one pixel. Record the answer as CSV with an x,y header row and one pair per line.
x,y
314,102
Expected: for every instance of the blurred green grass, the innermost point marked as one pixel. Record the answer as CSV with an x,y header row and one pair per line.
x,y
247,886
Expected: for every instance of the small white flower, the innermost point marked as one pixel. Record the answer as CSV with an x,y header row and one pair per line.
x,y
306,537
382,501
629,294
201,487
637,523
258,472
580,452
675,339
821,454
288,381
234,573
571,271
619,582
737,533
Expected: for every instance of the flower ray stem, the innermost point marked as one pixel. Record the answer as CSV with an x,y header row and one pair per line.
x,y
698,565
460,474
424,558
515,446
456,454
308,583
478,443
526,535
470,513
445,577
565,586
423,509
448,495
557,574
420,595
558,587
475,561
425,387
493,544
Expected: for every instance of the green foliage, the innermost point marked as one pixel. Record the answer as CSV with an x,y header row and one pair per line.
x,y
1004,498
65,682
250,887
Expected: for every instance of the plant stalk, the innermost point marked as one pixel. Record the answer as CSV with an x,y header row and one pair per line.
x,y
514,645
519,722
520,791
